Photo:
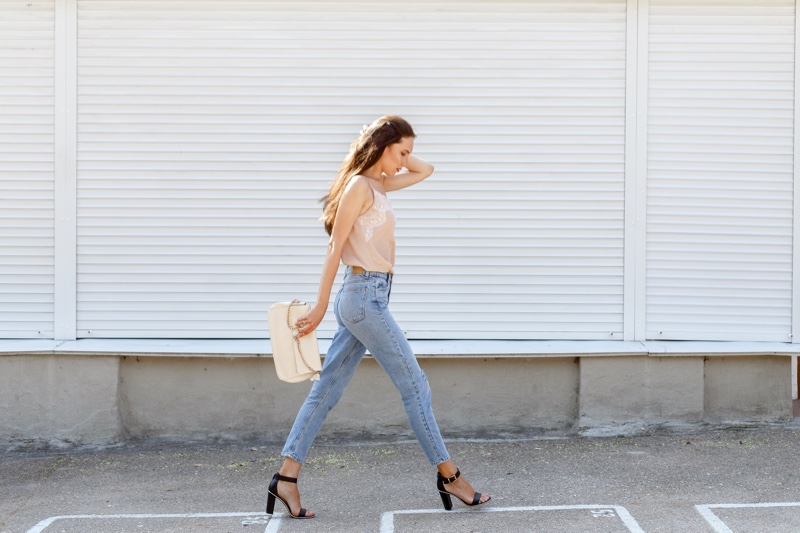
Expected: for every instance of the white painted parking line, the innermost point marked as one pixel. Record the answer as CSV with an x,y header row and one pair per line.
x,y
41,526
274,523
720,526
387,519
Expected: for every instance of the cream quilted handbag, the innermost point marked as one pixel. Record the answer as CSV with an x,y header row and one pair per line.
x,y
296,358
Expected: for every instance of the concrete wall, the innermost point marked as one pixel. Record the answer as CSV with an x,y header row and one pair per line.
x,y
731,396
616,391
57,400
77,400
205,397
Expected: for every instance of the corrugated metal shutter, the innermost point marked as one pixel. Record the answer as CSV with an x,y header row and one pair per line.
x,y
27,37
207,131
720,170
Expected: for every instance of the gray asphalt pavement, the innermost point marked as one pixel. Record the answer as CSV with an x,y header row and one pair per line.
x,y
741,480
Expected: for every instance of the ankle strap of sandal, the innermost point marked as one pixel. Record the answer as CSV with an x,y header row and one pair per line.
x,y
284,478
448,480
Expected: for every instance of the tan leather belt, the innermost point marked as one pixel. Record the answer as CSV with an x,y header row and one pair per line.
x,y
357,270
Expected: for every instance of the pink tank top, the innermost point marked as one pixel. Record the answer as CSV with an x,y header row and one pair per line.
x,y
371,241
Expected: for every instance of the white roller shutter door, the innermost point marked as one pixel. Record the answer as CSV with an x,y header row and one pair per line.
x,y
27,37
208,130
720,170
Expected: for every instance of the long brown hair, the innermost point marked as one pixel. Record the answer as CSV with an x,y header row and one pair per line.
x,y
364,153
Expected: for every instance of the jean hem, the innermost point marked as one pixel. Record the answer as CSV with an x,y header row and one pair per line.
x,y
294,457
442,461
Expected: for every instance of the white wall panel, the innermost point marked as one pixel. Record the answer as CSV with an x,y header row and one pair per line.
x,y
208,130
27,37
720,170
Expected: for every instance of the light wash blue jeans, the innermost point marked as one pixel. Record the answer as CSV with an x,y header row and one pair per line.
x,y
365,323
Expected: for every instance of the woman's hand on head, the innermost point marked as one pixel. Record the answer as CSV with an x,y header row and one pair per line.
x,y
416,170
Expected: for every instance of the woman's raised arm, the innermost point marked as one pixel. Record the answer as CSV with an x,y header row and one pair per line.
x,y
416,171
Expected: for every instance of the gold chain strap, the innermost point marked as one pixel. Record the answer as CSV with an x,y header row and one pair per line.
x,y
296,337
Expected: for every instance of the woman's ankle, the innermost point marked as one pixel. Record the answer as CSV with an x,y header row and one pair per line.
x,y
447,469
290,468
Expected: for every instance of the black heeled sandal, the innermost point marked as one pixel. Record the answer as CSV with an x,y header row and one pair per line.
x,y
272,493
441,481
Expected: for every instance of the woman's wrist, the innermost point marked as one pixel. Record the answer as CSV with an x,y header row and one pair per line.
x,y
417,164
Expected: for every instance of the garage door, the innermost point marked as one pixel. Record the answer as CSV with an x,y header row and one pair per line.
x,y
207,131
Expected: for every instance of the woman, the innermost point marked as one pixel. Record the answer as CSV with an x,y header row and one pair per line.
x,y
360,221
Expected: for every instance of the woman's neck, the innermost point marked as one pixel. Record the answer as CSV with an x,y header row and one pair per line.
x,y
374,173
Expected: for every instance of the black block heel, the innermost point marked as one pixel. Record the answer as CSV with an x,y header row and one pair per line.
x,y
441,481
446,500
272,493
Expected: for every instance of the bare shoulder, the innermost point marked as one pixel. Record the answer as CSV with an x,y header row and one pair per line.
x,y
358,184
358,193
